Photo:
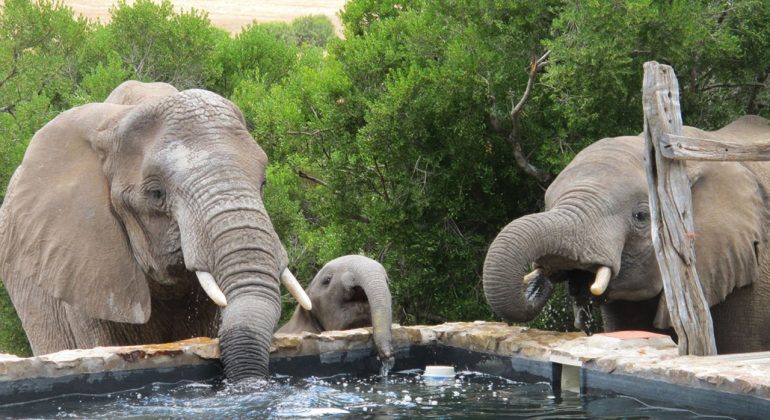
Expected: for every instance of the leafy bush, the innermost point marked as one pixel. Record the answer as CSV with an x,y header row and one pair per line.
x,y
314,30
157,44
256,53
12,337
39,46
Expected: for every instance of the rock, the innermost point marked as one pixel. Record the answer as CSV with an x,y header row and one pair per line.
x,y
637,354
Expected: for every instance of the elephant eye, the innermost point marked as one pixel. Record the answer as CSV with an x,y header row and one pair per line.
x,y
157,195
641,216
326,281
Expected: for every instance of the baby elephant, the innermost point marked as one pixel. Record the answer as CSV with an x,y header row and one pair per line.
x,y
349,292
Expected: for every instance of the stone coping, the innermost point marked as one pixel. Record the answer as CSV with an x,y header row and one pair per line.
x,y
647,356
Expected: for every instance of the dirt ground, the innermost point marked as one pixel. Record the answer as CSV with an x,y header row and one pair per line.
x,y
231,15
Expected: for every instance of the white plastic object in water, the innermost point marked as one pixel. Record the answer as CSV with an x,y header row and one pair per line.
x,y
439,372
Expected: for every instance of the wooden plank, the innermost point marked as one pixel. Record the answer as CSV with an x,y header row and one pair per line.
x,y
671,213
690,148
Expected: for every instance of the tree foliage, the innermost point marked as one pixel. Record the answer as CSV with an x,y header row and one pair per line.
x,y
398,141
39,45
157,44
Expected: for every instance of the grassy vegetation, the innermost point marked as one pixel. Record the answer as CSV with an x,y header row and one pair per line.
x,y
12,337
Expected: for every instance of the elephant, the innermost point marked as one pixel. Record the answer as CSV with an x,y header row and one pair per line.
x,y
348,292
595,234
134,220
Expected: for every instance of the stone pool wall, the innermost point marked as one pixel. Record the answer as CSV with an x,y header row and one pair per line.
x,y
648,356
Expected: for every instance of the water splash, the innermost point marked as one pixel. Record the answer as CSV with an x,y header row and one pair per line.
x,y
387,365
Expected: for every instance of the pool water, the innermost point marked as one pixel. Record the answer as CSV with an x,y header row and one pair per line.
x,y
402,394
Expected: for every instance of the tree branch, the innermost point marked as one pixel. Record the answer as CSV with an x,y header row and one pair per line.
x,y
513,137
534,67
732,85
382,180
14,68
751,106
308,133
8,109
13,72
304,175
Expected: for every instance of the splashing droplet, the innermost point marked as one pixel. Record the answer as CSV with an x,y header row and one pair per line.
x,y
387,365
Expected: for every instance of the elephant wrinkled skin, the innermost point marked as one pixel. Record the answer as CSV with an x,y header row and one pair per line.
x,y
116,207
597,216
348,292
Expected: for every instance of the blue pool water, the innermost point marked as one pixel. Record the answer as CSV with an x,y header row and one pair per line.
x,y
403,394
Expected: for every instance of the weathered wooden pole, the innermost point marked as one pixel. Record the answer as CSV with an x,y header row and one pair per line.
x,y
673,231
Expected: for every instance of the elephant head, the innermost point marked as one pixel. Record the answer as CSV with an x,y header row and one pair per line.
x,y
348,292
595,234
114,201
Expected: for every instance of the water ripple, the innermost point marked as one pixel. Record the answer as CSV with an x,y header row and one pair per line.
x,y
402,394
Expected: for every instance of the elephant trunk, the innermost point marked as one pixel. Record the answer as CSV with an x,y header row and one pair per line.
x,y
373,279
511,257
247,263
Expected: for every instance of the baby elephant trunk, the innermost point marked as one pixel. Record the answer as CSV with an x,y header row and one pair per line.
x,y
372,278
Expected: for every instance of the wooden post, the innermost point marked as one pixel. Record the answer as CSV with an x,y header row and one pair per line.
x,y
673,231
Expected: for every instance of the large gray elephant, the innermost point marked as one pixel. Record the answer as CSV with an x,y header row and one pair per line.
x,y
123,216
348,292
596,227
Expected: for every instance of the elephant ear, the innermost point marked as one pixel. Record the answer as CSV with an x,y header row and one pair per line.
x,y
730,210
57,229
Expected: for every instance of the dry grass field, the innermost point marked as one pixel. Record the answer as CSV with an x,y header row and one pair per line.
x,y
230,15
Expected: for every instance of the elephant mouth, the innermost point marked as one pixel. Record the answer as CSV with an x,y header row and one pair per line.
x,y
581,287
357,305
357,295
579,283
586,280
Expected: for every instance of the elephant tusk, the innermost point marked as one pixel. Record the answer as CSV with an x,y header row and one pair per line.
x,y
602,280
296,289
533,275
211,288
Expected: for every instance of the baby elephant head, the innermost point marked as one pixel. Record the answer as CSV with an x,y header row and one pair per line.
x,y
348,292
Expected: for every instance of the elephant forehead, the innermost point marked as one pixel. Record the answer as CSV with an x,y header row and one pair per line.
x,y
615,164
197,104
182,159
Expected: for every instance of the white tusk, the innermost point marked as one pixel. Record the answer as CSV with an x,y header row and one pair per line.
x,y
296,289
602,281
211,288
533,275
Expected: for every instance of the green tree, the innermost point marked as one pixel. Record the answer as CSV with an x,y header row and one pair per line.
x,y
390,133
717,48
38,71
315,30
256,53
158,44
